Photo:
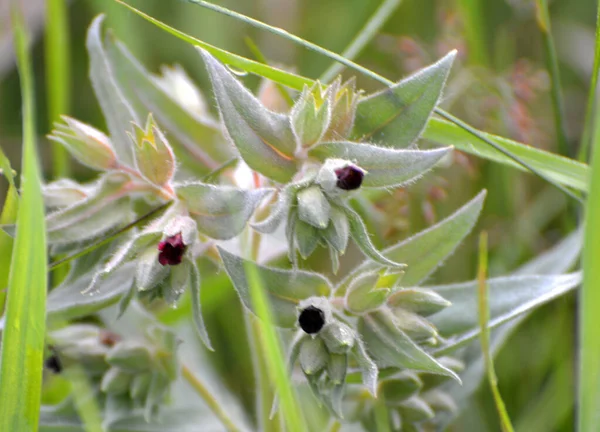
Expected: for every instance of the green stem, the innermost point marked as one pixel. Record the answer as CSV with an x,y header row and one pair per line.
x,y
484,317
543,19
475,31
586,138
212,403
58,75
316,48
364,36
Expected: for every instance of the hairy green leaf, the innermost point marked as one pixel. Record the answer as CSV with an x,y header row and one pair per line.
x,y
385,167
285,288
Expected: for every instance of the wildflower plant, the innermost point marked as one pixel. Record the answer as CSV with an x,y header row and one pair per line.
x,y
361,335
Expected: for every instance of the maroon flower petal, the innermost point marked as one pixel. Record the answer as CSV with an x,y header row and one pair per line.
x,y
349,178
171,250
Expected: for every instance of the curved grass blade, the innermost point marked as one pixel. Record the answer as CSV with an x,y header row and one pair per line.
x,y
23,339
8,216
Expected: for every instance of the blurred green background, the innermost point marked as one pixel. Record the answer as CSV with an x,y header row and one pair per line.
x,y
500,84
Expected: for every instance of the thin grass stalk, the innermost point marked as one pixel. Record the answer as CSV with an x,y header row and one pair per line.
x,y
543,20
484,317
58,76
363,37
475,31
586,138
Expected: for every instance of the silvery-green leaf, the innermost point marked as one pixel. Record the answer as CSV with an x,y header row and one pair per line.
x,y
116,381
400,387
106,207
189,133
335,260
359,234
396,116
130,356
426,250
116,109
281,208
64,193
508,296
66,301
131,249
308,121
285,288
391,347
363,295
156,393
263,138
415,410
149,272
385,167
368,367
126,300
313,355
313,207
415,326
290,235
220,211
307,238
338,231
196,308
338,337
422,301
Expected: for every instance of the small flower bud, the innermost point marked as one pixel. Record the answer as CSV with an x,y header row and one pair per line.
x,y
171,250
311,320
313,356
349,177
338,337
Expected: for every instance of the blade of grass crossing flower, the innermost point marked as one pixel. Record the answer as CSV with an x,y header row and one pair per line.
x,y
589,299
367,72
484,316
273,354
21,356
586,137
364,36
543,20
8,216
58,76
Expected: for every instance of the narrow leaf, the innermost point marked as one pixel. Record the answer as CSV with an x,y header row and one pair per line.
x,y
220,211
117,110
263,138
391,347
23,337
196,309
385,167
285,288
396,116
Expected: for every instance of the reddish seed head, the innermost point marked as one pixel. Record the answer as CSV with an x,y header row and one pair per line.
x,y
171,250
349,178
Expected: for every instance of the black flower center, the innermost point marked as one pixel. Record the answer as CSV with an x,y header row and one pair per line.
x,y
349,178
54,364
311,320
171,250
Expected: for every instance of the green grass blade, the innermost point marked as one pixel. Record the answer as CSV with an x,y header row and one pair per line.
x,y
543,20
364,36
472,12
58,75
273,354
484,317
8,216
586,137
589,299
23,338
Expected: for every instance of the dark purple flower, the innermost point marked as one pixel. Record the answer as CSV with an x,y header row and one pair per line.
x,y
171,250
349,178
311,320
